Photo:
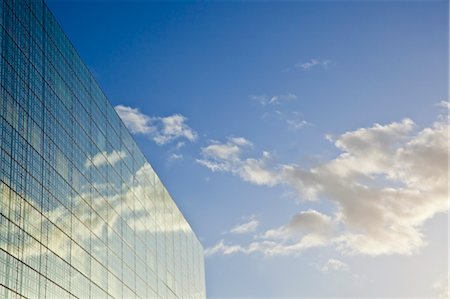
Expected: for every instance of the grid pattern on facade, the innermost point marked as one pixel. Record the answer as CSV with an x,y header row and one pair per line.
x,y
82,213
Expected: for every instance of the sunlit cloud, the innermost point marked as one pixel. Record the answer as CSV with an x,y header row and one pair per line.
x,y
134,120
227,157
249,226
172,127
162,130
386,183
222,248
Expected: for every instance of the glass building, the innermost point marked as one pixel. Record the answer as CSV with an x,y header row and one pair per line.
x,y
82,213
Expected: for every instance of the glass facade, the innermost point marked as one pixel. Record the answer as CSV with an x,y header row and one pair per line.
x,y
82,213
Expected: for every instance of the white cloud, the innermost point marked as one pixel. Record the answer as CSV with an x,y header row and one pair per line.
x,y
296,124
445,104
267,247
103,158
256,171
161,129
306,230
386,182
293,119
240,141
222,151
180,144
265,100
134,120
222,248
308,65
171,128
441,287
334,265
247,227
174,157
227,157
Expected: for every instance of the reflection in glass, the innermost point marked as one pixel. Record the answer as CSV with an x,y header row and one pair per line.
x,y
82,213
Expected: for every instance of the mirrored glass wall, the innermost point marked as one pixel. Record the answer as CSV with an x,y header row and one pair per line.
x,y
82,213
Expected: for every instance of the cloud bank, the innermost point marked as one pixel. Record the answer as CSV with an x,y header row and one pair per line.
x,y
387,181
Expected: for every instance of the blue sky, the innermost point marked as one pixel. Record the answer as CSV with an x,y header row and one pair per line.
x,y
302,140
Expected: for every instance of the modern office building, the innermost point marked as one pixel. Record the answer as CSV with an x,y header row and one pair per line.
x,y
82,213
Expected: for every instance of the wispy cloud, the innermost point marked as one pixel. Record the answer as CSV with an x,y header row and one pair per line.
x,y
296,124
179,145
247,227
334,265
308,229
314,62
265,100
175,156
222,248
227,157
161,129
386,183
445,104
293,119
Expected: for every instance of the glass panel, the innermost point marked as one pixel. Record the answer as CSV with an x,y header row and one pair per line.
x,y
82,213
